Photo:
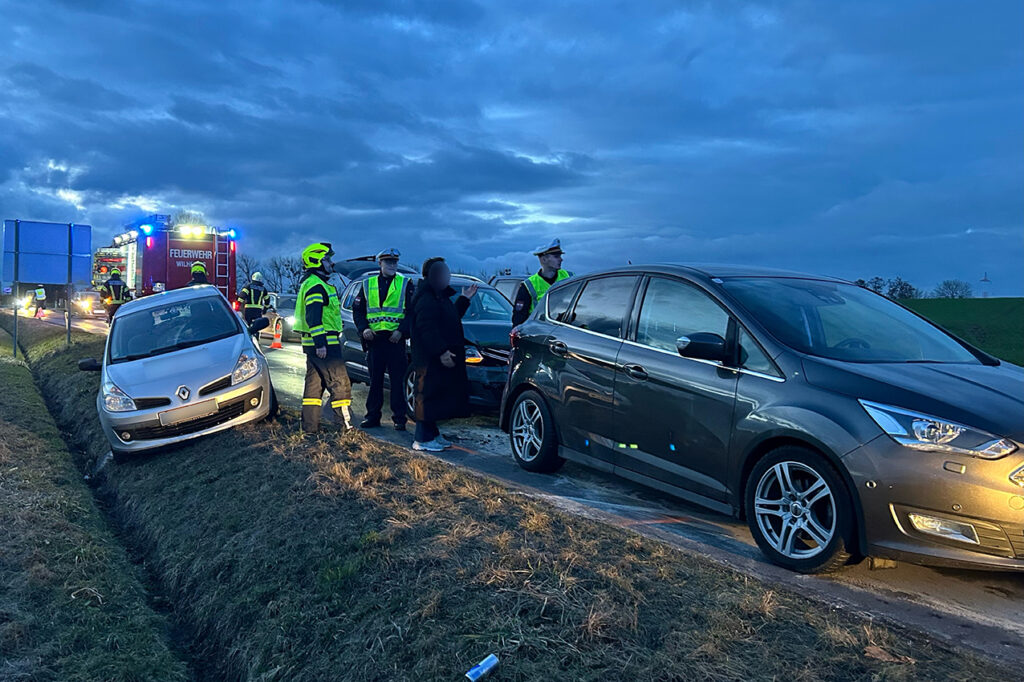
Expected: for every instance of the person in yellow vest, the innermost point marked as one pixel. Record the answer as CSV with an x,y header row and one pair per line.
x,y
533,288
318,321
255,298
115,293
379,311
39,294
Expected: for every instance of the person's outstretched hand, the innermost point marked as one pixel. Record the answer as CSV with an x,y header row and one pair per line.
x,y
470,291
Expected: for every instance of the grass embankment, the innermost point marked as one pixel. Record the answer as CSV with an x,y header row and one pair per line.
x,y
996,325
71,604
351,559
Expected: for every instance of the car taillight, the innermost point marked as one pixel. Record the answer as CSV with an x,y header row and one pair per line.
x,y
236,305
513,338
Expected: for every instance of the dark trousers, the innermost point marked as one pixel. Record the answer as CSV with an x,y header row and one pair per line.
x,y
111,310
383,356
330,374
426,431
251,314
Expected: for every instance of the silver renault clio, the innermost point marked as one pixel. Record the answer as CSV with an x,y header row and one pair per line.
x,y
178,365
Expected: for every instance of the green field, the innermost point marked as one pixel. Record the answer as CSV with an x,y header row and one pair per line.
x,y
996,325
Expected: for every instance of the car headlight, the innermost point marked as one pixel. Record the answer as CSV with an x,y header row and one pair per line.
x,y
290,320
247,367
1018,477
473,356
116,400
931,434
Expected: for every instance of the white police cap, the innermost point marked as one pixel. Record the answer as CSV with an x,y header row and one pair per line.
x,y
554,247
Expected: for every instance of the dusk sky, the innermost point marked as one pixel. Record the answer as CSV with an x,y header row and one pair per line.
x,y
844,138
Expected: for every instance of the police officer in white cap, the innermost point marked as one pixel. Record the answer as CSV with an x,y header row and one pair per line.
x,y
533,288
379,311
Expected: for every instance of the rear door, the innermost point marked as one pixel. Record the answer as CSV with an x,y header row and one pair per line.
x,y
582,352
675,413
351,345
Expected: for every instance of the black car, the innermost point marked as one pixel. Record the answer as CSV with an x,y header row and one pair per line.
x,y
839,423
486,324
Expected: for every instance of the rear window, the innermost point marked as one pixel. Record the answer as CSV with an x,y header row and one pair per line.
x,y
171,327
558,300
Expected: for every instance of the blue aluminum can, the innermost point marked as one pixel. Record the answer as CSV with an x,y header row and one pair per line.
x,y
482,668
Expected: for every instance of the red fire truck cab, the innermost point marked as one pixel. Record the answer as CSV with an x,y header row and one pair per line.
x,y
159,255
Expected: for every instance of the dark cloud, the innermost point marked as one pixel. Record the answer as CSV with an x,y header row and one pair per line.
x,y
850,138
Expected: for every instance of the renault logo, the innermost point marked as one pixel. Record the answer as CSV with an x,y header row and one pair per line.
x,y
183,392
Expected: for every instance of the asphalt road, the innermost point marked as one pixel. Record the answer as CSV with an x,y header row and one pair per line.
x,y
976,609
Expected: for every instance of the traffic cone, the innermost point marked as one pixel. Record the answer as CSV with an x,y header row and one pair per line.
x,y
277,336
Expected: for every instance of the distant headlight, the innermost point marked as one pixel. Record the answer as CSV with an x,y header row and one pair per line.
x,y
290,320
115,399
931,434
246,368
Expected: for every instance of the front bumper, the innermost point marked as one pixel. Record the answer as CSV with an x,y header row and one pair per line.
x,y
894,482
486,385
141,430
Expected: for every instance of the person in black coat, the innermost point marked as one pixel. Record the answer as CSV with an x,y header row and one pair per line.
x,y
438,354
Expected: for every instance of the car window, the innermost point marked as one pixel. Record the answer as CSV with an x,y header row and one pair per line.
x,y
488,304
672,309
508,287
752,357
350,294
558,300
171,327
843,322
603,305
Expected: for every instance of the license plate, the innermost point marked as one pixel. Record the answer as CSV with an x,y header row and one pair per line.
x,y
188,413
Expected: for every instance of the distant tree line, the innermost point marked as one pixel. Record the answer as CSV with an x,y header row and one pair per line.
x,y
897,287
280,273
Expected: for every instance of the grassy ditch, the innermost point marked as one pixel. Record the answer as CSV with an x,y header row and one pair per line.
x,y
71,604
351,559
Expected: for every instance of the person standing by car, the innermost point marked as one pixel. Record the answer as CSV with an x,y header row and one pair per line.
x,y
115,293
40,299
379,311
438,354
318,320
254,298
198,274
533,288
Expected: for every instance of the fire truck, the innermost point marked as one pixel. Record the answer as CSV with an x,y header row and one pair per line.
x,y
158,255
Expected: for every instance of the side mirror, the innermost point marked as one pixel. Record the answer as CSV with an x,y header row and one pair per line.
x,y
258,324
703,346
89,365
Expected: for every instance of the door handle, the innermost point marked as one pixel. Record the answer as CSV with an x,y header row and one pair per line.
x,y
558,348
636,371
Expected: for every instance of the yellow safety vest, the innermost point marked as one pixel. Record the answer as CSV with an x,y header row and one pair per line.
x,y
387,317
330,324
538,286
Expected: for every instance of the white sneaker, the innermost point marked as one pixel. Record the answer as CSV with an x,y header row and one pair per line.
x,y
429,446
444,442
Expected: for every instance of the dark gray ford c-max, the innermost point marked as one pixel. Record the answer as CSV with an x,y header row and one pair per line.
x,y
839,423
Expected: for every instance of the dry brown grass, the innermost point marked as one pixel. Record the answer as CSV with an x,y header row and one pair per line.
x,y
348,559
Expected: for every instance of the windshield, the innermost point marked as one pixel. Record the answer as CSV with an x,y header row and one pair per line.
x,y
172,327
488,304
286,302
843,322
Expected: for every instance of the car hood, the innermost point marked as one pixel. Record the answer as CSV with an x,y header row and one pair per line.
x,y
488,333
161,375
982,396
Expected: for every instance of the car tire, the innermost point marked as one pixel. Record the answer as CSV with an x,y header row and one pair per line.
x,y
799,510
121,456
532,434
275,407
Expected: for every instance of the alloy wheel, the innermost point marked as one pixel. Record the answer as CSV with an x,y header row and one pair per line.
x,y
527,430
795,510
